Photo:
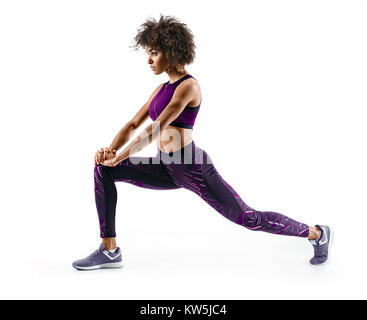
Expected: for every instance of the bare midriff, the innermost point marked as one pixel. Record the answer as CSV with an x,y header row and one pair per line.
x,y
173,138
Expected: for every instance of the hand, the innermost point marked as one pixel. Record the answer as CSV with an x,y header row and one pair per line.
x,y
109,162
104,154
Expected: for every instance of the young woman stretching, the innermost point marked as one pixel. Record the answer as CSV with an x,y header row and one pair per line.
x,y
179,163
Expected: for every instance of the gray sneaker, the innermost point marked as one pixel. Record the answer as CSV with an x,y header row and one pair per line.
x,y
100,258
321,245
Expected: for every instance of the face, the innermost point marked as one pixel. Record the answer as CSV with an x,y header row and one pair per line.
x,y
157,60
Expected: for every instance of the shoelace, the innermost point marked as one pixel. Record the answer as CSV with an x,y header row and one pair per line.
x,y
95,253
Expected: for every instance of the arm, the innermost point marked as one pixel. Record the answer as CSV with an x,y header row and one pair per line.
x,y
130,127
184,93
123,135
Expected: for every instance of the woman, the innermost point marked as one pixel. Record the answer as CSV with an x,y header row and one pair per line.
x,y
179,163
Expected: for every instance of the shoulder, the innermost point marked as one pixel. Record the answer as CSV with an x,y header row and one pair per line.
x,y
192,82
189,86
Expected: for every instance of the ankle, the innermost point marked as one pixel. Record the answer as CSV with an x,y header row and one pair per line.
x,y
109,243
314,233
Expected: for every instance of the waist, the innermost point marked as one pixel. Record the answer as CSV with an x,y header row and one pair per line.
x,y
190,154
172,139
185,155
183,149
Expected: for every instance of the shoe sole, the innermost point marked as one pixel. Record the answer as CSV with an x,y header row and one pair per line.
x,y
101,266
329,248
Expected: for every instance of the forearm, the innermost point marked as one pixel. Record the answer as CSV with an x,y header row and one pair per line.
x,y
122,136
145,138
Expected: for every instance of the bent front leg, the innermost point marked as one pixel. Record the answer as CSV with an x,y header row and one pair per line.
x,y
139,171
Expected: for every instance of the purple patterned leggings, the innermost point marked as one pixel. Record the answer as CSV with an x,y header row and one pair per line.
x,y
190,168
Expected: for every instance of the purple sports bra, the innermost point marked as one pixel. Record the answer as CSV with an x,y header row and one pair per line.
x,y
187,117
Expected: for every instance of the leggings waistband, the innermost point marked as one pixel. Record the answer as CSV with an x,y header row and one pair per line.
x,y
182,150
184,155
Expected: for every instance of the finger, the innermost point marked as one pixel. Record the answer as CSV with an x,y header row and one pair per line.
x,y
106,152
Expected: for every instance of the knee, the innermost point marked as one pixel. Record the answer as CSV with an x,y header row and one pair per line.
x,y
250,218
101,171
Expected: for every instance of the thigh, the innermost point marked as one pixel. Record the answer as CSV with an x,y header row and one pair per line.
x,y
145,172
203,179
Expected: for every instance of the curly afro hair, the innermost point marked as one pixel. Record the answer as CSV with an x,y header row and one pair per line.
x,y
168,35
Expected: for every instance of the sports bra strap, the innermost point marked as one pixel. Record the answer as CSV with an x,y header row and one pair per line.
x,y
176,83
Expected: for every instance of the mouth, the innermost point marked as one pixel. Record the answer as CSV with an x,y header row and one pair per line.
x,y
152,68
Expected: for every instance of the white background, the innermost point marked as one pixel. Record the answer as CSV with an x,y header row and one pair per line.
x,y
283,118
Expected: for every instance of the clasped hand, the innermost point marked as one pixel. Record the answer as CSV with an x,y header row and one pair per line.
x,y
106,157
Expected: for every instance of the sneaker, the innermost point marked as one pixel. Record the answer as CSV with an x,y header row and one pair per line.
x,y
101,258
321,245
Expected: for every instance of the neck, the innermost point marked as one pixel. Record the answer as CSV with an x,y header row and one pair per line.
x,y
175,75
